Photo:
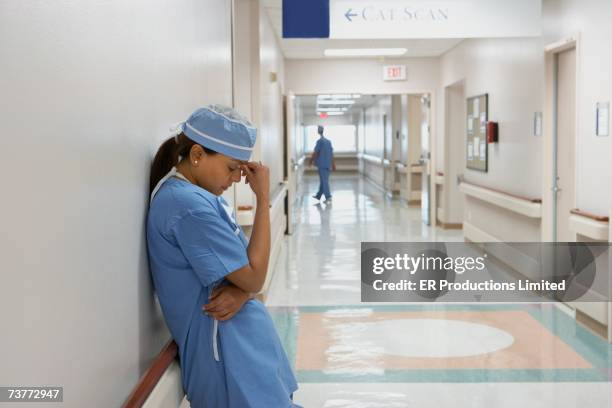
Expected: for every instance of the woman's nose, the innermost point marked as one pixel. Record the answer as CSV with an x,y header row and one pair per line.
x,y
236,176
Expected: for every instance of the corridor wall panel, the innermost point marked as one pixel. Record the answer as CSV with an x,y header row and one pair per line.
x,y
590,20
271,132
511,72
348,75
375,133
89,90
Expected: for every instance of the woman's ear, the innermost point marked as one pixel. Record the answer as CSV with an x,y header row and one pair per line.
x,y
196,154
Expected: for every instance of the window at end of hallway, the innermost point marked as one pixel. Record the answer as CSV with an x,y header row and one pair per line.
x,y
343,138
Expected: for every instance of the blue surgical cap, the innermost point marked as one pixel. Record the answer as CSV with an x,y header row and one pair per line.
x,y
223,130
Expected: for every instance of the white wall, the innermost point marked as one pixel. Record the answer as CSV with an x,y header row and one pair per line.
x,y
312,119
311,76
257,55
511,72
89,90
591,20
299,124
375,128
455,160
271,132
246,84
415,117
374,136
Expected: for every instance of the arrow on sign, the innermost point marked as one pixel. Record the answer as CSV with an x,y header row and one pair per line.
x,y
348,15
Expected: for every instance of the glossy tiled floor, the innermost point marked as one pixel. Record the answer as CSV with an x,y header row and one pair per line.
x,y
320,262
350,354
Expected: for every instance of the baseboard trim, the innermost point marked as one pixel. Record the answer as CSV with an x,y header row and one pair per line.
x,y
449,225
475,234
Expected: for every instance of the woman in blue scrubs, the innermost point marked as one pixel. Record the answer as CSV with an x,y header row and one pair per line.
x,y
205,270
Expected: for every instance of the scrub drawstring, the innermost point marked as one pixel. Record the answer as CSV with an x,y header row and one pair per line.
x,y
215,334
214,339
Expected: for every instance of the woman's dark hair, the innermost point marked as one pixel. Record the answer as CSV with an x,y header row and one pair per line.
x,y
168,156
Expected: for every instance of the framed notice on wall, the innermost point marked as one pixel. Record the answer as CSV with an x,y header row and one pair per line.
x,y
477,152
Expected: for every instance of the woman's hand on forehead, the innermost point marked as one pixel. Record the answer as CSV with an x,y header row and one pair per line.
x,y
251,164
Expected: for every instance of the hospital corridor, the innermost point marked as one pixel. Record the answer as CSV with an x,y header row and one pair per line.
x,y
350,354
306,203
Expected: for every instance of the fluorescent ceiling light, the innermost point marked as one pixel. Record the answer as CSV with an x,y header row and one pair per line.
x,y
337,102
356,96
363,52
337,96
322,109
335,113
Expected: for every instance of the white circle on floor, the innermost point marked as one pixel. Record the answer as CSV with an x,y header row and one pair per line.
x,y
434,337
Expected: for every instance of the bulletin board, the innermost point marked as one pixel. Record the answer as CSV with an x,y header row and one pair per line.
x,y
477,152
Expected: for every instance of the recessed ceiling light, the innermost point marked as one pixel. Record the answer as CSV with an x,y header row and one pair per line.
x,y
364,52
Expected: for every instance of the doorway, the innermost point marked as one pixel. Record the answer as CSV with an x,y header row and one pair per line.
x,y
565,141
425,159
450,209
560,145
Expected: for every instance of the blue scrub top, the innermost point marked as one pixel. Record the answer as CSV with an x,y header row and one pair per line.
x,y
325,152
193,244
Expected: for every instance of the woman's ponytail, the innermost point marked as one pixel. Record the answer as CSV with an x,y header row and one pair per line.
x,y
165,159
168,155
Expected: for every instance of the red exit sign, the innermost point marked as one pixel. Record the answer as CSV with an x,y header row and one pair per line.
x,y
394,73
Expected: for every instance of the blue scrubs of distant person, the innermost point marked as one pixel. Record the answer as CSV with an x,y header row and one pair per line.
x,y
194,242
323,158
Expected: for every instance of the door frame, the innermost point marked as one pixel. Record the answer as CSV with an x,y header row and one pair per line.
x,y
427,169
451,187
551,53
433,93
290,162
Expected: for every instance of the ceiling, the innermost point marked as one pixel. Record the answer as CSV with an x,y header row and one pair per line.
x,y
313,48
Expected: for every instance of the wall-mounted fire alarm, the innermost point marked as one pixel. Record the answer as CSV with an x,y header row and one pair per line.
x,y
492,132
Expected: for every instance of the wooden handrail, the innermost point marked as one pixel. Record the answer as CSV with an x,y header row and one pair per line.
x,y
601,218
531,200
151,377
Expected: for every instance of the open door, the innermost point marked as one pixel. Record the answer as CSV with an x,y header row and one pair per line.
x,y
564,139
425,159
291,159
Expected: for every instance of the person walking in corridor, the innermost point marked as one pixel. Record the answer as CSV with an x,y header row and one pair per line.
x,y
323,158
